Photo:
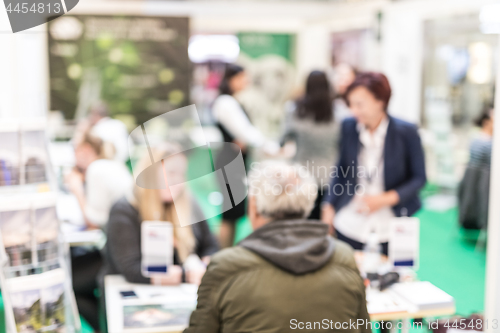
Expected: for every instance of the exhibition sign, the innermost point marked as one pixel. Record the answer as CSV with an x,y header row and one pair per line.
x,y
404,242
258,44
138,65
269,59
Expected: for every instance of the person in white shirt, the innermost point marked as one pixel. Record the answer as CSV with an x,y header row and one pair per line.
x,y
111,131
232,118
97,183
355,220
236,127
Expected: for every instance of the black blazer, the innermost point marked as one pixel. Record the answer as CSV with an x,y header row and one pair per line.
x,y
404,166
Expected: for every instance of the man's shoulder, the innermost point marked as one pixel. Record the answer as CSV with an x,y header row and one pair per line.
x,y
343,256
237,260
234,260
233,256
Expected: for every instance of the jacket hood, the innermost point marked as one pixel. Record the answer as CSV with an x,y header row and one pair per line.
x,y
297,246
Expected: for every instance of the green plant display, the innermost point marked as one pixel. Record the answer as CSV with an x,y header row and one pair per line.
x,y
138,65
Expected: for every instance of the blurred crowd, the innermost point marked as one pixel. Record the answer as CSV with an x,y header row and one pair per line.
x,y
351,168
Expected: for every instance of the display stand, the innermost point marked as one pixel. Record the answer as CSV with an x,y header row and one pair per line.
x,y
24,160
35,275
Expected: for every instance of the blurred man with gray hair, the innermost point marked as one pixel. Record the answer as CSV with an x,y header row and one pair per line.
x,y
289,273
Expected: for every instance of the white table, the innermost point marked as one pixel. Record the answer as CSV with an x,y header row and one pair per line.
x,y
68,209
183,296
115,302
73,225
91,238
403,310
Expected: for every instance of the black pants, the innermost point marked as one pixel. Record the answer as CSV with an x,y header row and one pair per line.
x,y
316,212
85,264
358,245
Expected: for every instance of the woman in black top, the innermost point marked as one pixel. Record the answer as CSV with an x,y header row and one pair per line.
x,y
122,253
236,128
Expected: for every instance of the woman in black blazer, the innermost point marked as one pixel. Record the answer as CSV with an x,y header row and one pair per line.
x,y
381,167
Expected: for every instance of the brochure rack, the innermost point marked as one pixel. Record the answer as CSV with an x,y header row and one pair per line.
x,y
35,274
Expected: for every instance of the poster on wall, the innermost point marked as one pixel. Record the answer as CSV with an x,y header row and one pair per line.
x,y
269,59
138,65
350,47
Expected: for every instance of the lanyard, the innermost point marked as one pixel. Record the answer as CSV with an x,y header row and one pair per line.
x,y
371,174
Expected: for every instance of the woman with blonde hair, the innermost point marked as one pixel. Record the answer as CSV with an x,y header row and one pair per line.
x,y
123,247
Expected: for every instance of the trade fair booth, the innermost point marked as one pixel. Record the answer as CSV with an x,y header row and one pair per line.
x,y
148,58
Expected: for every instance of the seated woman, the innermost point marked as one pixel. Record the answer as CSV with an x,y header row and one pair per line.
x,y
96,182
122,252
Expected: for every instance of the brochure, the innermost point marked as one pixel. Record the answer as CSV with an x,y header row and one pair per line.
x,y
157,247
38,301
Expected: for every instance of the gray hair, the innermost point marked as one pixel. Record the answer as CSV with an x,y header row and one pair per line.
x,y
282,190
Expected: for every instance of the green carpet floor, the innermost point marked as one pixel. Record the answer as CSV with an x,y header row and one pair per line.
x,y
449,260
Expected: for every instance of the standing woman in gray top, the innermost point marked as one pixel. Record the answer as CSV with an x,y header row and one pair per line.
x,y
311,126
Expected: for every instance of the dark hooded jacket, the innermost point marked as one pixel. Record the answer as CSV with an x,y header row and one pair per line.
x,y
287,275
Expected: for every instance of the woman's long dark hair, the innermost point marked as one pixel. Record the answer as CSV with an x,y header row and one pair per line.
x,y
231,71
317,101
